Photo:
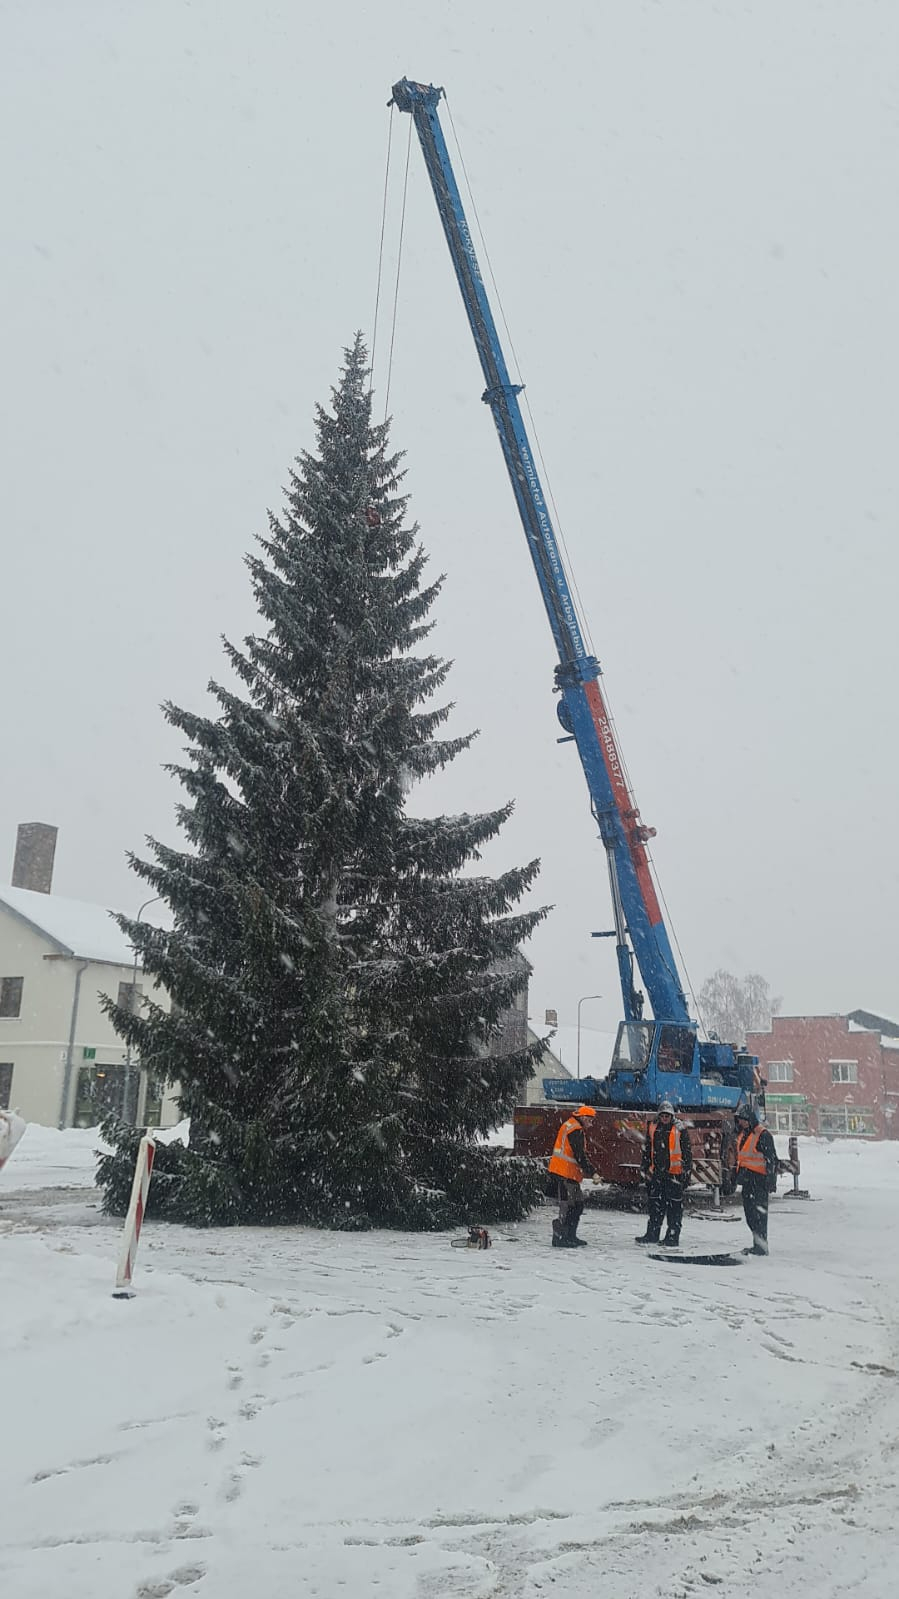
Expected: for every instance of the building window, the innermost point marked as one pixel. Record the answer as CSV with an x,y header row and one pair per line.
x,y
5,1083
779,1071
841,1121
11,996
844,1071
130,997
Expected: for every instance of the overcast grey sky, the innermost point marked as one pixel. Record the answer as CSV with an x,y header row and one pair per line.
x,y
691,210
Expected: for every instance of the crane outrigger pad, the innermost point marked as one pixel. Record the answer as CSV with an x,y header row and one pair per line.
x,y
723,1258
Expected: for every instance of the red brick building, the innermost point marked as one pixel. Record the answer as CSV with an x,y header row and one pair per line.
x,y
833,1075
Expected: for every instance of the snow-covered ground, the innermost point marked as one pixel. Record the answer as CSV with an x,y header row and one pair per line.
x,y
284,1412
46,1158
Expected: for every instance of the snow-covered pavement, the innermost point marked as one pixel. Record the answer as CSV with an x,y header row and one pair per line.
x,y
285,1412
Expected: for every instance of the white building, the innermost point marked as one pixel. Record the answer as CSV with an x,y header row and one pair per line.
x,y
550,1066
61,1062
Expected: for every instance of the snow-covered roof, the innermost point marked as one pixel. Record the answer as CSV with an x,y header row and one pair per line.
x,y
887,1041
870,1021
85,931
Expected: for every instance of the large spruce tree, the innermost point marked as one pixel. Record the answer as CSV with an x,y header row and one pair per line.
x,y
336,977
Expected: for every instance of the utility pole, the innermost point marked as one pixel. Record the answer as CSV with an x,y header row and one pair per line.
x,y
579,1004
126,1096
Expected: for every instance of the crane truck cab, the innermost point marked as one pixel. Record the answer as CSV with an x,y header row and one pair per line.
x,y
666,1060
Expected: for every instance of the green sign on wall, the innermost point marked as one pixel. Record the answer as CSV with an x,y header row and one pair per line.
x,y
88,1054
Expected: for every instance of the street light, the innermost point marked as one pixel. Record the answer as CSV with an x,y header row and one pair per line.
x,y
579,1004
133,1009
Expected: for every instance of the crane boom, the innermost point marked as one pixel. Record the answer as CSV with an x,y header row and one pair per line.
x,y
639,927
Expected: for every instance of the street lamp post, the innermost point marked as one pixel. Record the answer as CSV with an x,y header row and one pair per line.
x,y
126,1105
579,1004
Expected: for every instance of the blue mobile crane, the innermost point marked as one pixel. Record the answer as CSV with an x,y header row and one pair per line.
x,y
656,1059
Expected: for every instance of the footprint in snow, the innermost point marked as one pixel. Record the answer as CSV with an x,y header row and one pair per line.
x,y
74,1465
184,1524
161,1588
216,1437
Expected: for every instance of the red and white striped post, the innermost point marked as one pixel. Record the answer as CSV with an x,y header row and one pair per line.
x,y
134,1219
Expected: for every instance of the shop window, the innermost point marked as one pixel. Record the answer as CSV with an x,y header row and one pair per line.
x,y
846,1121
787,1118
101,1090
153,1102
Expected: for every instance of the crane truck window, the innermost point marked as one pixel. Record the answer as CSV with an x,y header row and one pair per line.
x,y
633,1046
676,1047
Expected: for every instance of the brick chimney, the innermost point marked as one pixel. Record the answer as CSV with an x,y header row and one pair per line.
x,y
35,852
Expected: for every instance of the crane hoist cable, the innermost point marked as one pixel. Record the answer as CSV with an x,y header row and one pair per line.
x,y
661,893
659,890
548,484
525,400
399,263
374,331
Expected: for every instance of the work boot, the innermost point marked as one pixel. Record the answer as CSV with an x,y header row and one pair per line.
x,y
670,1241
570,1230
579,1243
647,1238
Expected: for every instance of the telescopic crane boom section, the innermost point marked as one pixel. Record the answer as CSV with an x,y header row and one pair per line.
x,y
582,709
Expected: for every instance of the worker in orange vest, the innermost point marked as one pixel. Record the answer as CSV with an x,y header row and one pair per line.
x,y
570,1164
756,1167
667,1166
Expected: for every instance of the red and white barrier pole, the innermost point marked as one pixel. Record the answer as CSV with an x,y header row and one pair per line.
x,y
134,1219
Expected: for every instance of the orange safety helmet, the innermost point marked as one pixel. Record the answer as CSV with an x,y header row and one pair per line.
x,y
585,1110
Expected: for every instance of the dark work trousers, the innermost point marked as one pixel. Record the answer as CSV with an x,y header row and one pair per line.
x,y
666,1199
755,1204
571,1207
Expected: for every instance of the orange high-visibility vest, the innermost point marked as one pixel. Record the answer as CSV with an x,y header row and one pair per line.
x,y
749,1157
562,1160
675,1160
